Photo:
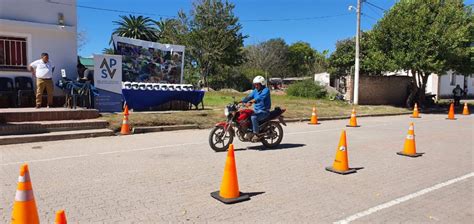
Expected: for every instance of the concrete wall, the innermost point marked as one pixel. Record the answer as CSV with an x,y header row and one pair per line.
x,y
380,90
18,18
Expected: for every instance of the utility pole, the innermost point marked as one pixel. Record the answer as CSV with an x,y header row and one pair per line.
x,y
356,72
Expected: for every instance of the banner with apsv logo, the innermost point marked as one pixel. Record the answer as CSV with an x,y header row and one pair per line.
x,y
108,80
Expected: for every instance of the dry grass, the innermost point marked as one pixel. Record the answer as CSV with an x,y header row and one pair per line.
x,y
216,101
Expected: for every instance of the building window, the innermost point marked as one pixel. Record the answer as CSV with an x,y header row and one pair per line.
x,y
13,53
452,78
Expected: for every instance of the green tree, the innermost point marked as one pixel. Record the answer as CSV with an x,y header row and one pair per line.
x,y
173,31
215,39
373,61
301,57
425,37
136,27
108,50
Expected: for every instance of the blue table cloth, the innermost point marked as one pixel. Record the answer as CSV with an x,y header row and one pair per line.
x,y
144,99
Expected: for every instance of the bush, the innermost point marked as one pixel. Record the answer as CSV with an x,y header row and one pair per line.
x,y
307,88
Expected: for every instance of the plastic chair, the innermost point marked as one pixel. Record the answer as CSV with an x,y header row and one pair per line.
x,y
24,86
7,91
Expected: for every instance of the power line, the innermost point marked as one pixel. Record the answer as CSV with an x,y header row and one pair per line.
x,y
295,19
373,10
370,17
376,6
110,10
168,16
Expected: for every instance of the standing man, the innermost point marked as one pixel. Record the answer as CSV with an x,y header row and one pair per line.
x,y
457,93
43,71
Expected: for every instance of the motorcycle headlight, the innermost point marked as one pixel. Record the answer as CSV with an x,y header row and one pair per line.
x,y
226,112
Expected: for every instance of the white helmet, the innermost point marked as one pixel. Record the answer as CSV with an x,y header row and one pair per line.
x,y
259,79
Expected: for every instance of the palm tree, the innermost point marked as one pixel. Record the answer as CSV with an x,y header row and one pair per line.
x,y
136,27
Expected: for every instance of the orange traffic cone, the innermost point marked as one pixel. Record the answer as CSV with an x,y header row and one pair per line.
x,y
415,112
125,125
229,192
341,163
409,148
353,121
451,112
24,207
60,217
465,111
314,117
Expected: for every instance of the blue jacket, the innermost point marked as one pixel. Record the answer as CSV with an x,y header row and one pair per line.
x,y
263,103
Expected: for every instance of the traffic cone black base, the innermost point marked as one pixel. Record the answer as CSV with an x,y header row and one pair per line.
x,y
352,126
314,124
451,119
242,197
330,169
410,155
414,117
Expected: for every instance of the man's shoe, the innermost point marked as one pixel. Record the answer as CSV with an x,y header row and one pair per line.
x,y
255,138
37,107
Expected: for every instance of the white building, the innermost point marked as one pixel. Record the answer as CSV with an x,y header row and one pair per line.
x,y
443,85
322,78
30,27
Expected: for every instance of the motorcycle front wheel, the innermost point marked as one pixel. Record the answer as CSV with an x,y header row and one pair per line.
x,y
273,134
219,140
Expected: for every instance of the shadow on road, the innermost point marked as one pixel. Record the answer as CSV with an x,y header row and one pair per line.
x,y
280,147
252,194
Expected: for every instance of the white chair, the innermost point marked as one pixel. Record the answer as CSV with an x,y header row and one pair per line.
x,y
134,85
126,85
156,86
149,86
142,86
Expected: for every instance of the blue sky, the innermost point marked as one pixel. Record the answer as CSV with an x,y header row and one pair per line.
x,y
321,33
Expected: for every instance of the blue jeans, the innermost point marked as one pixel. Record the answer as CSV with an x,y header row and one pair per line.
x,y
256,117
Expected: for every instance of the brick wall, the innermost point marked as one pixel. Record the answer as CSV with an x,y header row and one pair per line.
x,y
378,90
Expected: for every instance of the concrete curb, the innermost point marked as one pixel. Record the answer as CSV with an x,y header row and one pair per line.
x,y
141,130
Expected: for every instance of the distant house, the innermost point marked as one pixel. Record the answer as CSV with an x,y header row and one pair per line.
x,y
28,28
322,78
442,85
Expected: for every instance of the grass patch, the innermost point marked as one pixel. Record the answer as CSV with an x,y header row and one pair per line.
x,y
214,102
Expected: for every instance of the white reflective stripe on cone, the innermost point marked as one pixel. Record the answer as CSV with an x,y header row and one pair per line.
x,y
24,195
23,179
125,122
410,137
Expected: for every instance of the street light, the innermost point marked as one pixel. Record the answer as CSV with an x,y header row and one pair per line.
x,y
356,70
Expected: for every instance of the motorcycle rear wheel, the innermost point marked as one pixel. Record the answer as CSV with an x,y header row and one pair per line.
x,y
217,139
276,130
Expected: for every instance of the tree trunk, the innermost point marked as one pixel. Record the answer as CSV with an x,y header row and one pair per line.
x,y
422,90
413,88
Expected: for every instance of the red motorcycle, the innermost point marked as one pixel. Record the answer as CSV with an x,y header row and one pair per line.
x,y
239,124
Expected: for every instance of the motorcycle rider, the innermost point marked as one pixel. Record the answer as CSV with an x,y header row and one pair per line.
x,y
260,97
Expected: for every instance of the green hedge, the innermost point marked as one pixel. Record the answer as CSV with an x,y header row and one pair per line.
x,y
308,89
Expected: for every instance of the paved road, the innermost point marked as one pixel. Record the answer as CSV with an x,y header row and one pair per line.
x,y
167,177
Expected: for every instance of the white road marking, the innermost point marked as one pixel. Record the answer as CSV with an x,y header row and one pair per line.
x,y
150,148
44,160
403,199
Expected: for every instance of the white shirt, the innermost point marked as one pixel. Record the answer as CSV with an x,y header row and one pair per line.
x,y
43,70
